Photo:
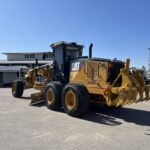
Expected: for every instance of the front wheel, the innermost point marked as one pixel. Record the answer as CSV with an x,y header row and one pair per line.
x,y
17,88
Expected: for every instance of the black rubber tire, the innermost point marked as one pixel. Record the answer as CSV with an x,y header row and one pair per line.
x,y
82,100
56,88
19,88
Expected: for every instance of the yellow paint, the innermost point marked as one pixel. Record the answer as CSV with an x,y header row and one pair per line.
x,y
94,76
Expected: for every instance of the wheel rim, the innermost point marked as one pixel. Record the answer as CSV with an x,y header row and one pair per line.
x,y
70,100
50,96
14,88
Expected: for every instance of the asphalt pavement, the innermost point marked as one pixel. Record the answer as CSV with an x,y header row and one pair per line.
x,y
24,127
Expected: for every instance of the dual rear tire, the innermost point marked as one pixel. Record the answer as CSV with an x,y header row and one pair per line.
x,y
74,98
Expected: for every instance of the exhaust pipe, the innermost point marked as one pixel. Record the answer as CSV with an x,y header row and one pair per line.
x,y
90,50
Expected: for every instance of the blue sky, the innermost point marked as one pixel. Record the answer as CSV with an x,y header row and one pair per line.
x,y
117,28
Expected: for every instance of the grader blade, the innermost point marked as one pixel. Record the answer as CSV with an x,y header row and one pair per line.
x,y
37,98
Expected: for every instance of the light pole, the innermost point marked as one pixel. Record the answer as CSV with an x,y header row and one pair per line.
x,y
148,71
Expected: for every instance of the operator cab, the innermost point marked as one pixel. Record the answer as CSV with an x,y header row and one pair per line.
x,y
63,53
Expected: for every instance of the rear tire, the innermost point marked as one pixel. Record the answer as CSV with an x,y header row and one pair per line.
x,y
75,100
53,95
17,88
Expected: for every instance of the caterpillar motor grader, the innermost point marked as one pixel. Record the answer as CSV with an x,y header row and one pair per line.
x,y
72,81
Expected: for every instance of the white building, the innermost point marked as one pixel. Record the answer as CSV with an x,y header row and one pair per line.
x,y
28,56
18,63
27,59
9,73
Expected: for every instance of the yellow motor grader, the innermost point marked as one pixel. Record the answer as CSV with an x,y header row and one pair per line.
x,y
73,81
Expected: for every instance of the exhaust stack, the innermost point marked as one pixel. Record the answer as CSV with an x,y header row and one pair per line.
x,y
90,50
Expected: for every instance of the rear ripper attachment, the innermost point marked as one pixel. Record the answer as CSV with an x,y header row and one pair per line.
x,y
132,88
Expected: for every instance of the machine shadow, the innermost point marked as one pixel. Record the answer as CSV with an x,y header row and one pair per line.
x,y
101,119
108,116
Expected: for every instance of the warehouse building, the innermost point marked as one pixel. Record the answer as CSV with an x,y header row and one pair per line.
x,y
9,73
26,59
17,64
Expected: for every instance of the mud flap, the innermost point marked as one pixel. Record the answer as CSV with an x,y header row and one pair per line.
x,y
37,98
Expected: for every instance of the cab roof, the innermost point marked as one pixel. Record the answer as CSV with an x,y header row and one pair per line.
x,y
60,43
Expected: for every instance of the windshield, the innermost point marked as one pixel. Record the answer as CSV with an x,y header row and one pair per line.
x,y
74,53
